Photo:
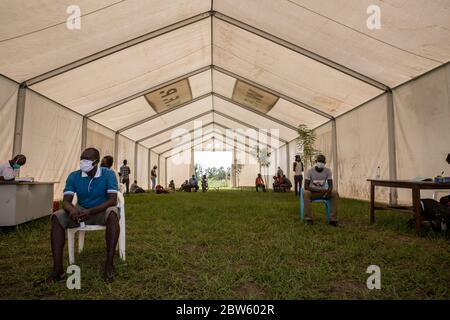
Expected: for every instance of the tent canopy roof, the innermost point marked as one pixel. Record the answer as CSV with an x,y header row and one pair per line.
x,y
232,63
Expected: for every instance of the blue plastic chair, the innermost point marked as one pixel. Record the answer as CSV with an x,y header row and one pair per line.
x,y
327,203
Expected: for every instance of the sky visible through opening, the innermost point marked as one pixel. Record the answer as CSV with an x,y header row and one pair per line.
x,y
210,159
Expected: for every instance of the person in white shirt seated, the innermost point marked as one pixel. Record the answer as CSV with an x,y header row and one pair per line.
x,y
134,188
10,169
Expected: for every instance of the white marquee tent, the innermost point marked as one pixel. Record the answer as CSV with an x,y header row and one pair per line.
x,y
375,97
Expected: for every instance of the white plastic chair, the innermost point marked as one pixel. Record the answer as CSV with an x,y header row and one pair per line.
x,y
81,233
436,193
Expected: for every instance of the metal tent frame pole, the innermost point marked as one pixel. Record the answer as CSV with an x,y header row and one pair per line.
x,y
165,172
392,150
116,150
149,169
334,152
159,168
135,160
19,120
119,47
84,134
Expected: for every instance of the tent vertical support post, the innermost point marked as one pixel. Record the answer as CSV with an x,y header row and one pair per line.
x,y
116,150
287,160
391,146
135,160
235,175
159,168
334,153
149,170
20,116
276,157
84,134
192,162
165,172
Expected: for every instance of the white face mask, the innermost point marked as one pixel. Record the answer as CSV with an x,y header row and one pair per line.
x,y
86,165
320,165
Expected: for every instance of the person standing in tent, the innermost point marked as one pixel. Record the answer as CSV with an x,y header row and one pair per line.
x,y
125,171
319,185
153,177
10,169
298,174
107,162
96,190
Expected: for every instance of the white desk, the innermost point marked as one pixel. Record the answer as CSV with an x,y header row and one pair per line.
x,y
23,201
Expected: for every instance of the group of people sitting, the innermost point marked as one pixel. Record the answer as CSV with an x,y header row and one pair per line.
x,y
192,183
281,183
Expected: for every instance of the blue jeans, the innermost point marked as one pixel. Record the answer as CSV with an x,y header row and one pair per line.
x,y
153,183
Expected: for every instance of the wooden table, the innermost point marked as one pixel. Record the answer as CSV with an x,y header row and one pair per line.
x,y
415,186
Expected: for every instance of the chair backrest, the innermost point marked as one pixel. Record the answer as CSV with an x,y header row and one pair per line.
x,y
121,206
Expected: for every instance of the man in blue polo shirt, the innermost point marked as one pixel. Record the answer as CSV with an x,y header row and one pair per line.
x,y
96,190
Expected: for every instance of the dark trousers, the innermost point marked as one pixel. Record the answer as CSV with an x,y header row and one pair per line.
x,y
126,182
261,186
298,184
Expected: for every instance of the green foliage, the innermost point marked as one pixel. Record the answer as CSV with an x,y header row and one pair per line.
x,y
262,156
305,143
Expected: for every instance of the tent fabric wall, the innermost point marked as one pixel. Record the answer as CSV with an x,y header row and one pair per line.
x,y
126,152
100,138
8,103
324,142
362,142
422,117
132,70
105,23
142,167
248,175
177,172
51,141
287,72
403,48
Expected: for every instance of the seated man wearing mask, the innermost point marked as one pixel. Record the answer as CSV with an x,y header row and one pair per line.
x,y
96,190
319,185
9,169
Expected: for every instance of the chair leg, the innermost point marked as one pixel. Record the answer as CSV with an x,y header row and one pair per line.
x,y
70,245
328,210
122,243
81,240
302,206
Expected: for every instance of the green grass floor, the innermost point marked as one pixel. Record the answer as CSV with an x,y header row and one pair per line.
x,y
237,245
